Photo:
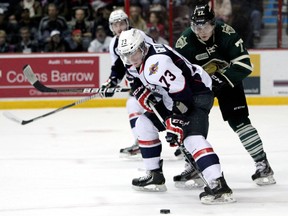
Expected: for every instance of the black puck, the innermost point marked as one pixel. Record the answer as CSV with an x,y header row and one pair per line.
x,y
165,211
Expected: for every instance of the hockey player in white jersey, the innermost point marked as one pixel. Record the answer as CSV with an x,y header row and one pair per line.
x,y
118,22
182,95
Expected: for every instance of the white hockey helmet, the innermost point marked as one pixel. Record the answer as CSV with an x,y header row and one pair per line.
x,y
117,16
129,42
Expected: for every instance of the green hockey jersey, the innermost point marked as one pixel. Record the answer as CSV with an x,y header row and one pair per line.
x,y
223,52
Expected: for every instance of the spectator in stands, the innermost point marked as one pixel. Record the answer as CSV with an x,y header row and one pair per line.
x,y
51,22
3,23
97,4
143,4
80,21
34,8
256,14
101,42
4,46
26,21
12,30
136,20
156,20
240,21
146,6
63,7
101,17
26,45
8,6
56,44
75,43
155,34
158,4
247,20
81,4
181,19
4,6
222,9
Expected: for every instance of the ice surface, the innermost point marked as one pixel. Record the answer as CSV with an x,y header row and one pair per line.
x,y
68,164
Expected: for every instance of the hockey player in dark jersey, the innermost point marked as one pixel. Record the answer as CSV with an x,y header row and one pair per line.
x,y
219,50
182,95
118,22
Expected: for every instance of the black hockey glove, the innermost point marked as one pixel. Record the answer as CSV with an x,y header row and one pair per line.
x,y
174,129
112,82
144,97
129,80
219,81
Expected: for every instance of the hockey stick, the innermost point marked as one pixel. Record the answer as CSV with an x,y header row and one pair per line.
x,y
182,149
24,122
31,77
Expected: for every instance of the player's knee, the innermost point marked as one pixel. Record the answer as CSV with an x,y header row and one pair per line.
x,y
145,128
133,106
195,143
236,123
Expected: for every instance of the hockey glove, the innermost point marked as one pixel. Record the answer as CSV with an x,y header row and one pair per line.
x,y
174,129
110,83
129,80
144,97
219,81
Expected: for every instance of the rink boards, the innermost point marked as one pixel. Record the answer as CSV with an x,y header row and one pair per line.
x,y
267,85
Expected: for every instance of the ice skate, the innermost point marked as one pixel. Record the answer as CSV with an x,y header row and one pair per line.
x,y
154,181
263,174
132,151
219,194
188,179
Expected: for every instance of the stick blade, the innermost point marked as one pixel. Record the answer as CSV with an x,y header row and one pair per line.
x,y
12,117
29,74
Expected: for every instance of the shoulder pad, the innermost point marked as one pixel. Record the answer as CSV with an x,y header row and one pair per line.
x,y
181,42
227,29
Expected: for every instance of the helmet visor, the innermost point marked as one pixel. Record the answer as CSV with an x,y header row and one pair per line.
x,y
206,28
134,57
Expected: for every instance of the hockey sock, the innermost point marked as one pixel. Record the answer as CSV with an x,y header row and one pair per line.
x,y
250,139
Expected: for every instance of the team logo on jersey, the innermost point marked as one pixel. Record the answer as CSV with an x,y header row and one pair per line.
x,y
202,56
181,42
153,68
227,29
211,49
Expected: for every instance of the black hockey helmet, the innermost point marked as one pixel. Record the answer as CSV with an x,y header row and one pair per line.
x,y
202,14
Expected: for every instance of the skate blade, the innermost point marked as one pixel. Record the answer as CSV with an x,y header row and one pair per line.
x,y
224,199
151,188
269,180
190,184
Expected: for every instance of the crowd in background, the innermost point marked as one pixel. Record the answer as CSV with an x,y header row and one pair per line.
x,y
28,26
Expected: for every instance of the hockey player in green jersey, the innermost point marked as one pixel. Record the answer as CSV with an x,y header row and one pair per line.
x,y
220,51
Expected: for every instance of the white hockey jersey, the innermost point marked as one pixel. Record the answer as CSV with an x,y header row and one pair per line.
x,y
165,72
